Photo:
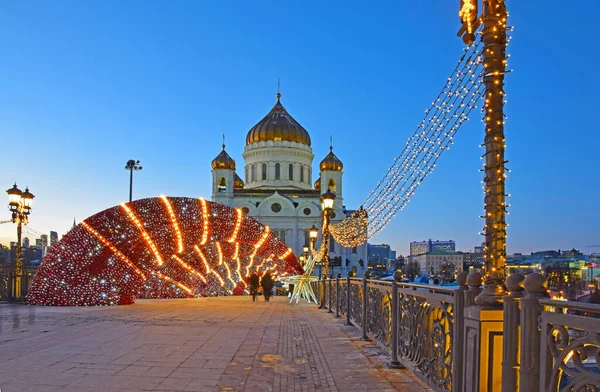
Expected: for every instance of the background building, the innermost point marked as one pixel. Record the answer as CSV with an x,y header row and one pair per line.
x,y
422,247
435,263
53,238
278,189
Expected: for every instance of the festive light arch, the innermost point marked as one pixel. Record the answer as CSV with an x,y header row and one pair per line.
x,y
163,247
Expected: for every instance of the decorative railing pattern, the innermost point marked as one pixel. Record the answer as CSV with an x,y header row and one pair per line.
x,y
379,313
548,345
356,302
425,323
570,346
343,304
425,333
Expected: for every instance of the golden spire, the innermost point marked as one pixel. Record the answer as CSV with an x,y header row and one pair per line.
x,y
278,88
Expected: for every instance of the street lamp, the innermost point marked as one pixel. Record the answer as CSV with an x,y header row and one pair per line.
x,y
19,204
131,166
313,232
327,200
305,250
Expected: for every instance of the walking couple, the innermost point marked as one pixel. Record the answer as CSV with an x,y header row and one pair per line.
x,y
266,282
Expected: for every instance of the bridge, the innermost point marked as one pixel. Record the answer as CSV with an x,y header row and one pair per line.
x,y
492,333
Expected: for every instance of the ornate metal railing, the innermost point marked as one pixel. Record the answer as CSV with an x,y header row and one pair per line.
x,y
356,301
547,345
570,346
424,322
425,332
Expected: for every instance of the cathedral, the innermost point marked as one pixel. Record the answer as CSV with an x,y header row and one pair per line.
x,y
278,190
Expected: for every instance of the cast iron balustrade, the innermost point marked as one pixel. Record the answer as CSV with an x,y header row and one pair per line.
x,y
549,345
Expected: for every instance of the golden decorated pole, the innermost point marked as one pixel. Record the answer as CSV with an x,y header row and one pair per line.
x,y
493,19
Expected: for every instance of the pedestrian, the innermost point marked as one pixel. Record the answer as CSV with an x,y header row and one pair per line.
x,y
253,284
267,284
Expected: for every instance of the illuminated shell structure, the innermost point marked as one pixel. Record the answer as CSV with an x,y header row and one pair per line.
x,y
163,247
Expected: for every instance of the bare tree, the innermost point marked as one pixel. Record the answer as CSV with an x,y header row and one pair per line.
x,y
412,269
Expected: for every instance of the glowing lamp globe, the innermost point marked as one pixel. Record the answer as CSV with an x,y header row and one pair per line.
x,y
313,232
27,200
327,200
14,197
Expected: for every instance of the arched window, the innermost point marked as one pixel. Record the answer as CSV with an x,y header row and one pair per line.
x,y
309,179
222,185
331,243
331,185
301,173
277,171
306,238
264,171
247,174
253,173
282,235
354,250
291,172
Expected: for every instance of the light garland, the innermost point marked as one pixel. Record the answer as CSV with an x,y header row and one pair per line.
x,y
433,136
174,222
147,238
111,257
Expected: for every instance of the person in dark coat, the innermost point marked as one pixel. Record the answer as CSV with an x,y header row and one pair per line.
x,y
253,284
267,285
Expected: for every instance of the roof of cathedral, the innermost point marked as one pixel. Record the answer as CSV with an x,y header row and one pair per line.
x,y
331,162
237,182
223,161
318,184
278,125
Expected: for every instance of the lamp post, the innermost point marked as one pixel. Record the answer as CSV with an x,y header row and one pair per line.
x,y
305,250
19,203
327,200
131,166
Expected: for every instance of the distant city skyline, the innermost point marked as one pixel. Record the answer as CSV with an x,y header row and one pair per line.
x,y
87,88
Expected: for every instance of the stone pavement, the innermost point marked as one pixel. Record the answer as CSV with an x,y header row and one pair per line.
x,y
204,344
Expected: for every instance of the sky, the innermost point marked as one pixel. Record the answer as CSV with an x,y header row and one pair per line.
x,y
87,85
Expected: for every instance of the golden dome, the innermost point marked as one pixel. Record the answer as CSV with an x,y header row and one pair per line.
x,y
278,125
223,161
237,182
331,162
318,184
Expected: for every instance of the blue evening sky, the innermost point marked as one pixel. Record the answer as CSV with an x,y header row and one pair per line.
x,y
87,85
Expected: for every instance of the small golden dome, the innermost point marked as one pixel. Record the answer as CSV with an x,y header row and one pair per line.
x,y
278,125
223,161
237,182
331,162
318,184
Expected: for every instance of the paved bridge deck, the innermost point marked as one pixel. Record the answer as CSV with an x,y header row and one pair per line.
x,y
206,344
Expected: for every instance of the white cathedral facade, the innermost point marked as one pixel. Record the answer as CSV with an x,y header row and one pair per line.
x,y
278,190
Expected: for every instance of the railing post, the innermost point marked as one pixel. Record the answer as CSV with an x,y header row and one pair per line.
x,y
531,309
337,295
474,280
364,313
458,332
322,293
330,294
394,363
348,307
510,349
